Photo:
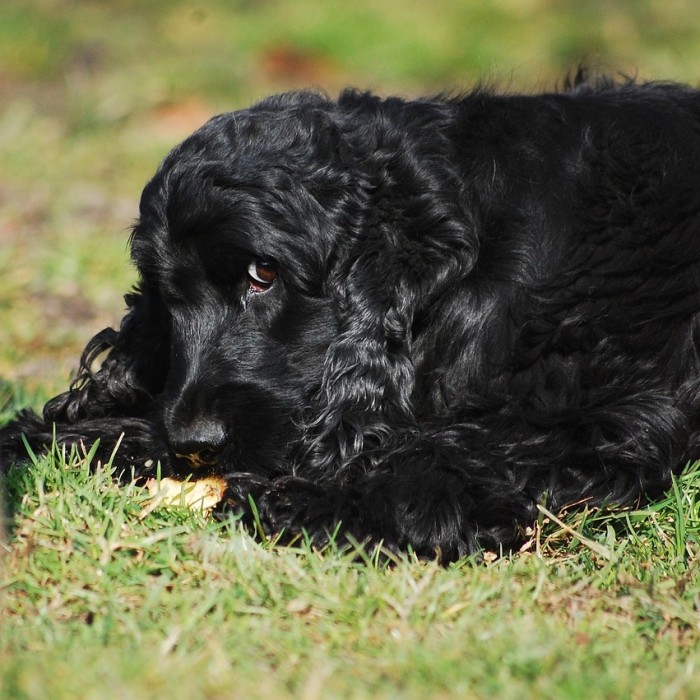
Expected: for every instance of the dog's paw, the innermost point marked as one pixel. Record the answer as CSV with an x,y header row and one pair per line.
x,y
294,507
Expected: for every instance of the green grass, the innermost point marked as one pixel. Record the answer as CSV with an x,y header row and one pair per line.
x,y
105,598
102,598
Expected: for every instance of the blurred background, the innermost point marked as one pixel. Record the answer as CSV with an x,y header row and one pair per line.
x,y
93,93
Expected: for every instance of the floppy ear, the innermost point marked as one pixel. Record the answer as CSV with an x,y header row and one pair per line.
x,y
414,241
368,376
132,373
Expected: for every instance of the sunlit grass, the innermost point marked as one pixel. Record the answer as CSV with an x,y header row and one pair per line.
x,y
120,600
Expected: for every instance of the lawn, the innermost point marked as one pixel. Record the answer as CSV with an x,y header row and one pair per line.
x,y
105,597
101,595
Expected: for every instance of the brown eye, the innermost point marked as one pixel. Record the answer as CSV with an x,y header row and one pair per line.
x,y
261,275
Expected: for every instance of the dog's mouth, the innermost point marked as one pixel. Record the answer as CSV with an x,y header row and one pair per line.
x,y
198,460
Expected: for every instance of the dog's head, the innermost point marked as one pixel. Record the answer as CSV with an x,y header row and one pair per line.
x,y
290,248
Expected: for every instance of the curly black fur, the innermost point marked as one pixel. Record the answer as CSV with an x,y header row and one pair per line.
x,y
472,306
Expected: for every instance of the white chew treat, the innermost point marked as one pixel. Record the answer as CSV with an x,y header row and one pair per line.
x,y
201,495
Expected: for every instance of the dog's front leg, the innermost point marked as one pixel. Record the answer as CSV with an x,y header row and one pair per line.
x,y
430,512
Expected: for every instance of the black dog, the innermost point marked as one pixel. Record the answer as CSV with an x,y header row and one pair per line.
x,y
411,321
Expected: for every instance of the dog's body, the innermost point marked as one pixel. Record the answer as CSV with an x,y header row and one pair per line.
x,y
417,320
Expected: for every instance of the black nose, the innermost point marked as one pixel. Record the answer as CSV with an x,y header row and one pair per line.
x,y
199,443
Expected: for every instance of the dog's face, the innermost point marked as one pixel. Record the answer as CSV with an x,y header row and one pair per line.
x,y
233,247
286,251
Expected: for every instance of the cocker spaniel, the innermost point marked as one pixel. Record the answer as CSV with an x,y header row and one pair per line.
x,y
410,321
